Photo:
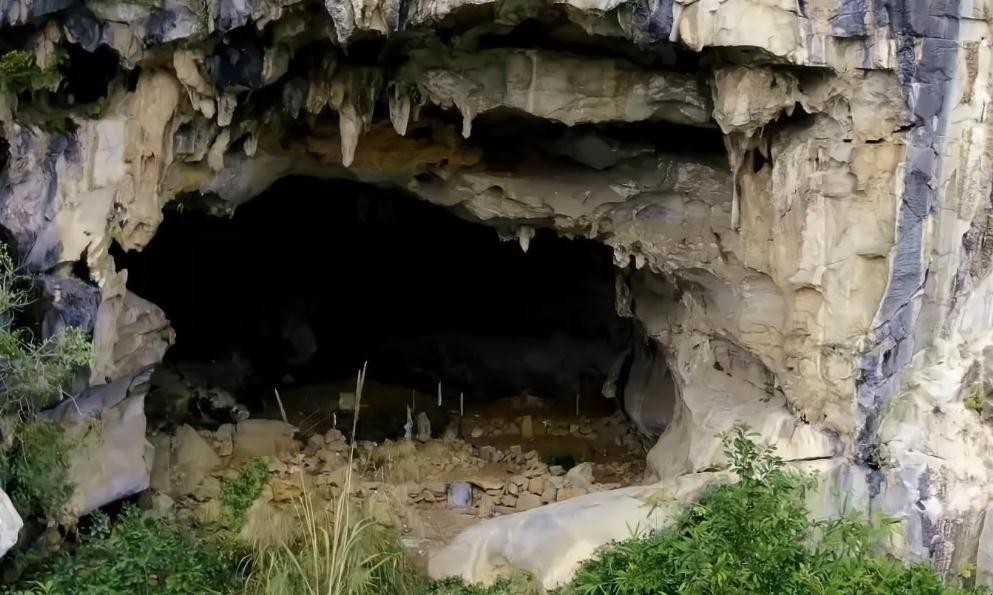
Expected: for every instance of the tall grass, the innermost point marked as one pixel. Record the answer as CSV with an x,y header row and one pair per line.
x,y
340,552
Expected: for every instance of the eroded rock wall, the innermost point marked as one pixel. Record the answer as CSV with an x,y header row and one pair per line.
x,y
798,194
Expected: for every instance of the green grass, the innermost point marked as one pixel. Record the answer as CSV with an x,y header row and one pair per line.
x,y
140,556
35,471
518,585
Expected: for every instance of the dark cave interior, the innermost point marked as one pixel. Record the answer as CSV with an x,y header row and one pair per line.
x,y
312,278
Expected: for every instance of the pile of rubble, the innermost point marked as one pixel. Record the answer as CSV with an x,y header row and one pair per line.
x,y
528,427
392,480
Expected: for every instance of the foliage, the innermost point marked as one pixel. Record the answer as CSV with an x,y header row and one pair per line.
x,y
141,556
519,585
755,537
33,374
19,72
238,494
17,69
35,472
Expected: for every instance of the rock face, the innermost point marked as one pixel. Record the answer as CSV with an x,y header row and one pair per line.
x,y
551,541
10,524
111,459
799,196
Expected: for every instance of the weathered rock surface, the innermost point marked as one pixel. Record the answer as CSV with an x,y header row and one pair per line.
x,y
111,459
819,268
550,541
255,438
10,524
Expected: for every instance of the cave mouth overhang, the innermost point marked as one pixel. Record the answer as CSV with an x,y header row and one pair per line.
x,y
313,278
506,125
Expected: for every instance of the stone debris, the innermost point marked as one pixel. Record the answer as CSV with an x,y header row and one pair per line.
x,y
392,479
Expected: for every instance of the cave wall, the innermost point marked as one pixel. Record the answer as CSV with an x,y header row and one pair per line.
x,y
831,260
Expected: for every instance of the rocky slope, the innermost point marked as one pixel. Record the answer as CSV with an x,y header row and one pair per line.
x,y
802,190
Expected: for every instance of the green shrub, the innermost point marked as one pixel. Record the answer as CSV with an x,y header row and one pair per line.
x,y
238,494
755,537
140,556
19,72
33,374
504,586
35,471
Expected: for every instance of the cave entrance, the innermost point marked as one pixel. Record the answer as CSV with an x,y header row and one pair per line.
x,y
312,278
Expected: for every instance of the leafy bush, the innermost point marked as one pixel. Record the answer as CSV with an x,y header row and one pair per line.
x,y
503,586
33,375
19,72
35,472
141,556
755,537
238,494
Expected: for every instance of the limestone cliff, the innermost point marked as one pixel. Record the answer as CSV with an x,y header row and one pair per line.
x,y
802,190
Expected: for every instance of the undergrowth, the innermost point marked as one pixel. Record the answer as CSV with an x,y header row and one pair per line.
x,y
33,374
756,537
141,555
518,585
238,494
34,471
19,72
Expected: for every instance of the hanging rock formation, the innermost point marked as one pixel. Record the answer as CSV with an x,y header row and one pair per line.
x,y
799,195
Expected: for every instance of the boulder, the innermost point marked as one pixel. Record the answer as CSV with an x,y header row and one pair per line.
x,y
112,459
192,459
10,524
209,489
527,501
550,541
254,438
581,475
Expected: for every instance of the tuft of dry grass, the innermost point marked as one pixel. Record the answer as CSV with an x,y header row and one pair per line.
x,y
338,551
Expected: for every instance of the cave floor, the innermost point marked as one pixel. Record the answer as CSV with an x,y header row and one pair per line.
x,y
508,456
